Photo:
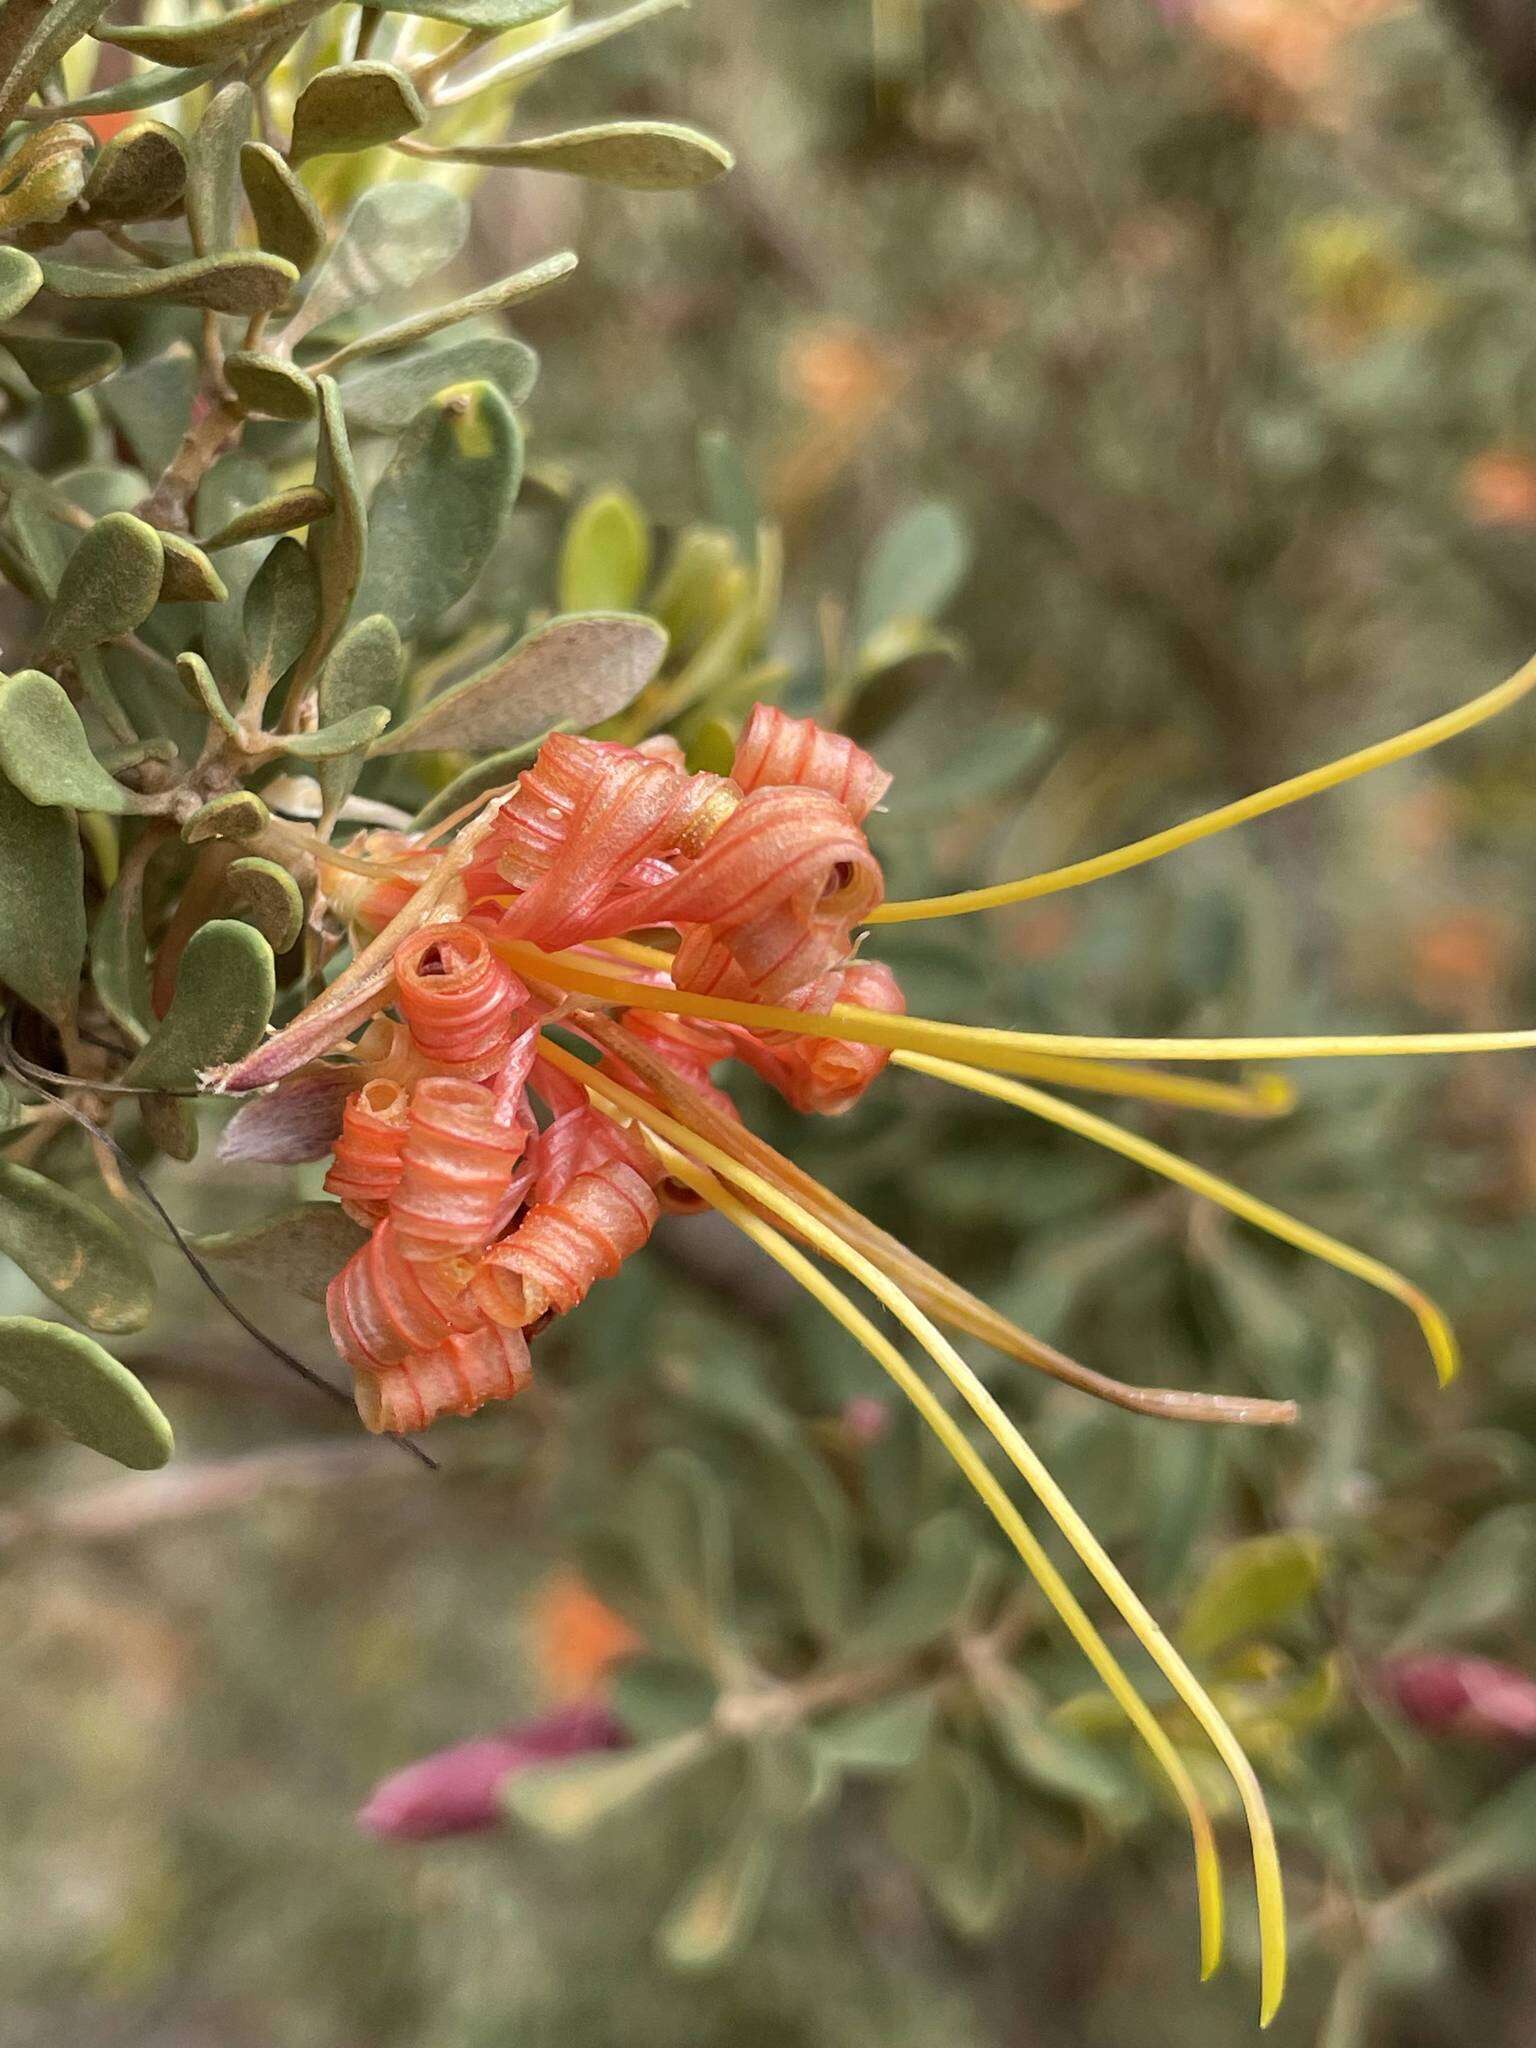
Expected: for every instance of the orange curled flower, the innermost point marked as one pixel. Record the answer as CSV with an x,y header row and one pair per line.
x,y
456,998
365,1169
671,923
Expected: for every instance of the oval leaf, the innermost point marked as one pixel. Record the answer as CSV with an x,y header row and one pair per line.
x,y
267,896
394,237
491,298
1249,1587
566,1800
574,672
387,397
70,1379
224,35
366,667
300,1249
645,156
213,180
42,909
279,514
223,1002
76,1253
188,577
44,750
64,362
246,284
719,1907
110,585
440,506
288,221
605,558
353,106
267,384
139,175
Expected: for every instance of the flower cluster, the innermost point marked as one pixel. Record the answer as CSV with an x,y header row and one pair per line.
x,y
495,1194
571,959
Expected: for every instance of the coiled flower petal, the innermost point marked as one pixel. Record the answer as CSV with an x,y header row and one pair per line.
x,y
366,1167
383,1306
457,998
775,749
458,1158
459,1375
563,1247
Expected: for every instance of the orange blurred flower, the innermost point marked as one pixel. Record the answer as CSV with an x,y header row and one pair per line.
x,y
577,1638
1498,487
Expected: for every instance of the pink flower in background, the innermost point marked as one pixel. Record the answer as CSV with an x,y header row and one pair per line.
x,y
1472,1696
455,1791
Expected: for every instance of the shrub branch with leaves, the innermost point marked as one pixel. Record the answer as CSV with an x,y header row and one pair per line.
x,y
259,792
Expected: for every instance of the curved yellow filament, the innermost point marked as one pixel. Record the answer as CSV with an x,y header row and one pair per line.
x,y
1027,1463
1067,1116
943,1298
976,1045
1417,740
1004,1513
1266,1095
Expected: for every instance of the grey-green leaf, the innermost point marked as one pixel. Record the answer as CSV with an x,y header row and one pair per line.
x,y
222,1004
387,396
21,279
925,1600
139,175
238,816
151,404
42,35
201,686
499,15
188,577
491,298
366,666
337,546
347,736
718,1908
251,282
567,1799
66,1376
151,87
277,514
282,611
269,385
645,156
267,896
219,36
64,362
574,672
289,222
110,584
394,237
439,508
914,568
43,177
213,177
77,1254
45,753
353,106
119,963
42,909
886,1737
1250,1586
302,1249
491,771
